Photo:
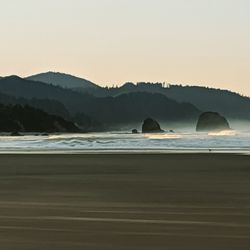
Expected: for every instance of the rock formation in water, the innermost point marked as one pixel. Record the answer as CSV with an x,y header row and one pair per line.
x,y
212,121
135,131
151,126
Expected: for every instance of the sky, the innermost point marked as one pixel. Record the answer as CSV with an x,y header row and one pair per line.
x,y
194,42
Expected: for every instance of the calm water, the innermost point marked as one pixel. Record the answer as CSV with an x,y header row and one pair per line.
x,y
229,141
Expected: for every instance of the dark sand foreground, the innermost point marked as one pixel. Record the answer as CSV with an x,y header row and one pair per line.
x,y
57,202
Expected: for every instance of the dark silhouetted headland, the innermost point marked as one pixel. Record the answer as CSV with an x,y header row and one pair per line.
x,y
95,108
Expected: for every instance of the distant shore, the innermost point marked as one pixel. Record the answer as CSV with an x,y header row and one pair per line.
x,y
125,201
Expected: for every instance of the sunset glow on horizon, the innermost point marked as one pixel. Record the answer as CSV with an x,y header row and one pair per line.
x,y
109,42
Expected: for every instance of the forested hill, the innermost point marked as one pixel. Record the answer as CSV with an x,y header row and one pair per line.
x,y
17,118
126,108
49,106
228,103
225,102
63,80
135,107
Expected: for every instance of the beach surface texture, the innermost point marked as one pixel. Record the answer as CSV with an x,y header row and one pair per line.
x,y
125,201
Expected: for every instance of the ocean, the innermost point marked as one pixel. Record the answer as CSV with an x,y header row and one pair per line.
x,y
180,141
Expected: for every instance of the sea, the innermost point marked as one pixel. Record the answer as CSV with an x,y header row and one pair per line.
x,y
182,140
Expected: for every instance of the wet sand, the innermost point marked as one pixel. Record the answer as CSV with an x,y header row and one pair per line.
x,y
183,201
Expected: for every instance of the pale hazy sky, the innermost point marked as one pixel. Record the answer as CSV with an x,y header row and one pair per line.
x,y
203,42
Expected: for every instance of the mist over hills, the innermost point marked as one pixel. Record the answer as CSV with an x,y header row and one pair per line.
x,y
134,107
49,106
225,102
15,90
96,108
109,110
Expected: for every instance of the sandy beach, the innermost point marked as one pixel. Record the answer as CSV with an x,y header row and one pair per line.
x,y
125,201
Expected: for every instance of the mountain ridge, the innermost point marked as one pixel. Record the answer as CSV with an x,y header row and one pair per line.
x,y
62,79
125,108
129,103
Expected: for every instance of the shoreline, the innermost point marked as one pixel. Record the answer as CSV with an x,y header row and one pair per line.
x,y
126,152
113,143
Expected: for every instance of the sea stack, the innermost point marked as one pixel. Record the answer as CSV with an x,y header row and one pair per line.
x,y
135,131
151,126
212,121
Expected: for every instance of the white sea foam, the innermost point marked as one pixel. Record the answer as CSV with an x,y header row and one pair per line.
x,y
115,141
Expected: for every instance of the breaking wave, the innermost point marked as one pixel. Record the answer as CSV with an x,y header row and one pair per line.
x,y
114,141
